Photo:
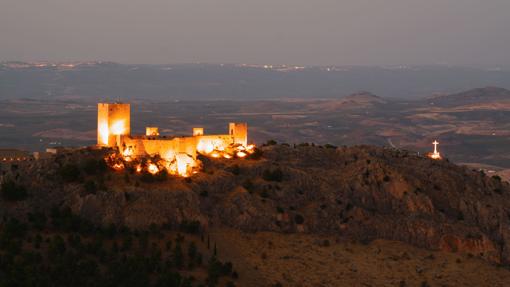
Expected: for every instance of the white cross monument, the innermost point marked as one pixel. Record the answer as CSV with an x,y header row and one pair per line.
x,y
435,154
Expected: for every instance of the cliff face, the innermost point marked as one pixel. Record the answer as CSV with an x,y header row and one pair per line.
x,y
363,193
368,193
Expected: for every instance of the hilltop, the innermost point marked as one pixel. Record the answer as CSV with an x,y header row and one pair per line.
x,y
362,194
358,100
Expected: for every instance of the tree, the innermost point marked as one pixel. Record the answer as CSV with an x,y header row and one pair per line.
x,y
192,250
93,166
12,191
178,256
90,186
256,154
272,175
192,254
213,271
70,173
299,219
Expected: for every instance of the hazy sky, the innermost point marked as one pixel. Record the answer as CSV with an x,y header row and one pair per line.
x,y
342,32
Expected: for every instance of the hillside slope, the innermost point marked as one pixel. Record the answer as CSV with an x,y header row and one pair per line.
x,y
361,193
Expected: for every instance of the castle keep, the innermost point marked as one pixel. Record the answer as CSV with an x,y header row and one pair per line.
x,y
178,152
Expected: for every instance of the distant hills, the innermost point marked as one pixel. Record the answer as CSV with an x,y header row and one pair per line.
x,y
478,96
353,101
93,81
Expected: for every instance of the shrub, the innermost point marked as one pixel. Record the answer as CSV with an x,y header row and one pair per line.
x,y
14,229
248,184
38,220
235,169
496,177
272,175
192,250
271,142
256,155
178,257
93,166
330,146
12,191
90,186
191,227
299,219
150,178
69,173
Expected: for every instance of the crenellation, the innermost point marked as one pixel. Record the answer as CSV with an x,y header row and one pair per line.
x,y
152,131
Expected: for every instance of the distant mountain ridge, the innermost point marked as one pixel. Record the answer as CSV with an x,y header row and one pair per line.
x,y
357,100
95,81
471,97
364,97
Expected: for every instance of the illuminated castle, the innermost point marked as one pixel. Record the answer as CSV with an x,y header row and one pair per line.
x,y
179,154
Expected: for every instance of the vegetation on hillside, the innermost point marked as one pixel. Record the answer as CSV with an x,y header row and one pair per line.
x,y
63,249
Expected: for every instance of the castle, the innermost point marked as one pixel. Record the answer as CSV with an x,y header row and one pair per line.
x,y
178,152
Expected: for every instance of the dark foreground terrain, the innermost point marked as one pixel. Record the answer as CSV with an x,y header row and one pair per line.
x,y
300,215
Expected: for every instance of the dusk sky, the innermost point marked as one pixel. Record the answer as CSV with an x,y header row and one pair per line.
x,y
308,32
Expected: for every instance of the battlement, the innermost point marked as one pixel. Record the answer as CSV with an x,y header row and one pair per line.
x,y
152,131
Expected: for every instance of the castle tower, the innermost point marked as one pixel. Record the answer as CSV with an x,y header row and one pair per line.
x,y
239,133
113,120
152,131
198,132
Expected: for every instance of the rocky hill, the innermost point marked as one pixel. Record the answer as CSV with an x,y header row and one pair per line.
x,y
360,193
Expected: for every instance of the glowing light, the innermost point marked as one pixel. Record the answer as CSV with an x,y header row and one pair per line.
x,y
205,147
184,164
169,155
138,168
127,154
118,166
118,128
250,147
215,154
152,168
227,156
103,133
435,154
241,154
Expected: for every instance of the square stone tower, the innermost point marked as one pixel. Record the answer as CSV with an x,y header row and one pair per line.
x,y
198,132
239,133
152,131
113,120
